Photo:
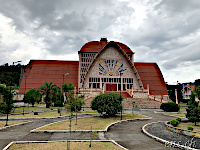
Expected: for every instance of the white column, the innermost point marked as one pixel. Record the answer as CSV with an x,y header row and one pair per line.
x,y
148,89
176,96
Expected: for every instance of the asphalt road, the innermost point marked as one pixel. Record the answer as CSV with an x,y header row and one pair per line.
x,y
127,134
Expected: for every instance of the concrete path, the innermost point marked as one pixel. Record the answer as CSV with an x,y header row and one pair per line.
x,y
128,134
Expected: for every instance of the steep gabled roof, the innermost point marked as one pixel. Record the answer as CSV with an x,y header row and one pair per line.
x,y
97,46
150,74
39,71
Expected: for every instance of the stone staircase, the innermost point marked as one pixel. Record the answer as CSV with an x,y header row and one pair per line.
x,y
88,102
140,103
127,103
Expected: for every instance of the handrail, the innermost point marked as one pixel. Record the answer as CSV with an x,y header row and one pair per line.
x,y
157,99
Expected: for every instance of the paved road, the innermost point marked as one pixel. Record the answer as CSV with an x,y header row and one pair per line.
x,y
128,134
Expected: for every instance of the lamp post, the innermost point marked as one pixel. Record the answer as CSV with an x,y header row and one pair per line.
x,y
83,95
63,90
9,99
24,93
121,89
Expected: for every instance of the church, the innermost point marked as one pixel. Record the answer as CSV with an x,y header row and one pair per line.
x,y
103,66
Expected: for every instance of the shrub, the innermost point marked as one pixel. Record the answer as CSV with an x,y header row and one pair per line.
x,y
58,104
108,103
185,100
190,128
170,107
178,119
174,123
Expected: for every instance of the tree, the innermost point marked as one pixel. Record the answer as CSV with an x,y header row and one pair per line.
x,y
195,115
197,91
108,103
192,110
74,102
6,105
67,88
49,89
32,96
10,73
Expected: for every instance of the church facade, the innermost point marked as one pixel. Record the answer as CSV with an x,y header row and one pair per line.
x,y
103,65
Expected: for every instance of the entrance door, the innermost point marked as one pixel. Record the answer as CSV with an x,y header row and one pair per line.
x,y
111,87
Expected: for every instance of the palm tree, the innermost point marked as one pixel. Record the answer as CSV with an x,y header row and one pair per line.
x,y
49,89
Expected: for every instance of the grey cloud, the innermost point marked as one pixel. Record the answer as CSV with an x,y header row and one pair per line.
x,y
178,6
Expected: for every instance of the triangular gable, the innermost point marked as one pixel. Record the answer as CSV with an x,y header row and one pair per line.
x,y
115,45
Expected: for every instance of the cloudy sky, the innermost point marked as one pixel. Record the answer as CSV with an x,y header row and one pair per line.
x,y
163,31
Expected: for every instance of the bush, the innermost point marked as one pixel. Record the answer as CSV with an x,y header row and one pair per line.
x,y
190,128
185,100
174,123
58,104
108,103
178,119
170,107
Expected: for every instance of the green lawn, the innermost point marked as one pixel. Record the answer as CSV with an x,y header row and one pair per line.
x,y
30,109
2,123
63,146
184,126
48,114
178,115
97,123
40,115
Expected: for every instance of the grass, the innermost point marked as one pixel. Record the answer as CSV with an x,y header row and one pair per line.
x,y
183,105
30,108
48,114
185,125
2,123
40,115
63,145
97,123
195,128
178,115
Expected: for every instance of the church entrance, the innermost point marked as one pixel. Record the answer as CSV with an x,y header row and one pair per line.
x,y
111,87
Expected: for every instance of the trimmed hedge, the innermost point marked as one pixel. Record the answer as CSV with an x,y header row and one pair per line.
x,y
178,119
190,128
175,123
170,107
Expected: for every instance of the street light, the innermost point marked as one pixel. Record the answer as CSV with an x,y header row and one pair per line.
x,y
9,99
64,76
24,93
121,89
63,90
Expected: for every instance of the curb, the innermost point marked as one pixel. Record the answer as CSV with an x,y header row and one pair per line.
x,y
21,142
84,131
15,125
164,141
